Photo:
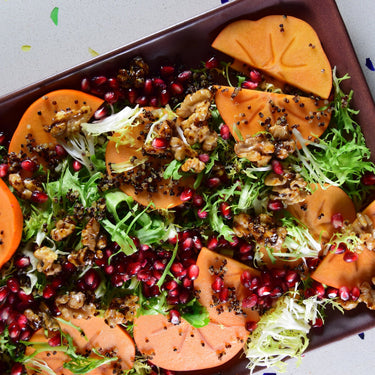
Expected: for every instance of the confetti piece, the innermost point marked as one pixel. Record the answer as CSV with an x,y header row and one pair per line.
x,y
93,52
224,1
26,48
361,335
370,65
54,15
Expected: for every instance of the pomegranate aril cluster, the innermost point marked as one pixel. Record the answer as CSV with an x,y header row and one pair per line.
x,y
137,85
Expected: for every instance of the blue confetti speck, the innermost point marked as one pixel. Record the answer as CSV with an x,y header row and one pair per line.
x,y
361,335
224,1
370,65
269,373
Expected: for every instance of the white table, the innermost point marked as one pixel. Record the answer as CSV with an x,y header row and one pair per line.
x,y
107,25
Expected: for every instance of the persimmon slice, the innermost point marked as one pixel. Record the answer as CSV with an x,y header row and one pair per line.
x,y
11,223
41,112
183,347
98,335
249,111
284,47
208,262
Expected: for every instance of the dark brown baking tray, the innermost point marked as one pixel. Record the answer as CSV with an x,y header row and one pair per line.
x,y
189,42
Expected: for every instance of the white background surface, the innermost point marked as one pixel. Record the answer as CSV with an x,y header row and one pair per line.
x,y
107,25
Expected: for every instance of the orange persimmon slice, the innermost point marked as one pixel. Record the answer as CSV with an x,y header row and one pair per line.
x,y
284,47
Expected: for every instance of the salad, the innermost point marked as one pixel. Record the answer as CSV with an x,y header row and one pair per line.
x,y
155,222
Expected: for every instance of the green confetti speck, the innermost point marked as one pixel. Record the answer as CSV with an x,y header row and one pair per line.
x,y
54,15
26,48
93,52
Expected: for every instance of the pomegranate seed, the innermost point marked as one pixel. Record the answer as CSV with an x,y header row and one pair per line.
x,y
278,273
197,243
60,150
212,63
246,278
111,97
213,182
17,369
212,243
148,87
117,280
224,295
39,197
76,166
202,214
159,83
204,158
291,276
235,241
29,165
185,75
250,301
193,272
99,80
245,248
100,113
48,292
178,269
176,88
338,248
171,285
225,210
134,268
14,331
187,244
85,84
255,76
4,168
277,167
2,138
28,298
91,279
21,321
266,278
355,293
332,292
142,100
154,101
319,290
251,326
312,263
159,265
184,296
224,132
318,323
350,256
264,291
187,194
13,285
223,242
143,275
276,292
113,83
337,220
368,179
274,205
4,292
68,267
198,200
174,292
249,85
25,335
159,143
218,284
344,293
164,97
255,283
132,95
174,317
166,70
55,340
187,283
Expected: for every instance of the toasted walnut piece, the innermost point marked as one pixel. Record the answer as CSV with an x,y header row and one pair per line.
x,y
367,294
193,101
284,148
74,305
81,257
25,187
280,132
47,257
122,310
181,150
64,228
364,229
90,234
68,122
193,165
258,149
163,131
241,225
290,188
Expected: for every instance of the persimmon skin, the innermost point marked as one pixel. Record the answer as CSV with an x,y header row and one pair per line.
x,y
284,47
11,223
